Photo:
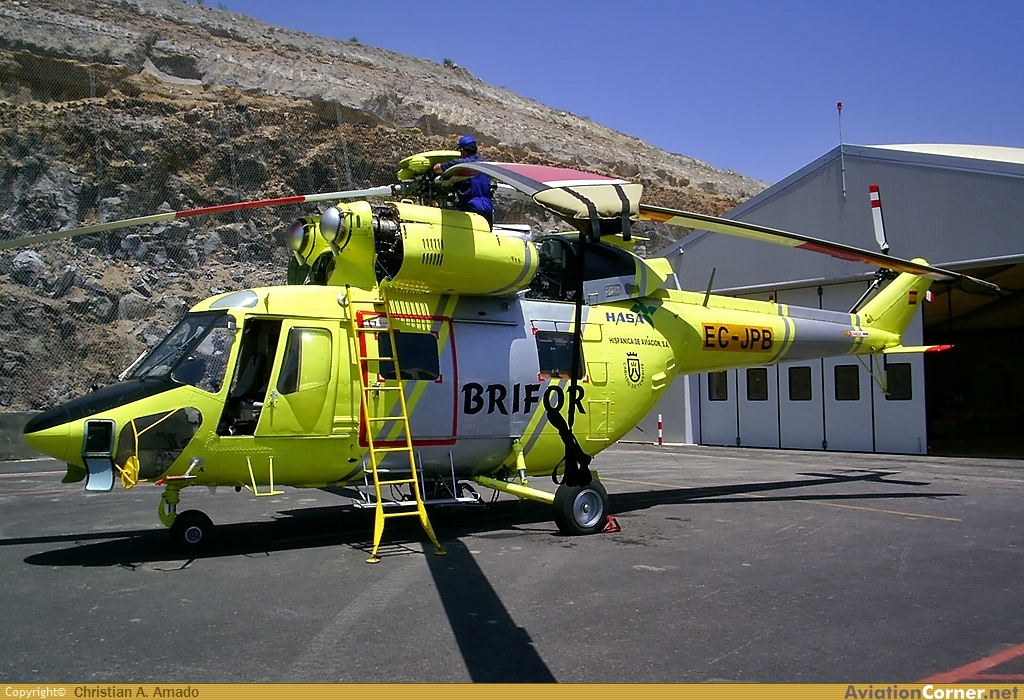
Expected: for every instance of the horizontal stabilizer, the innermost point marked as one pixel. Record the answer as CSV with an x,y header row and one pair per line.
x,y
913,349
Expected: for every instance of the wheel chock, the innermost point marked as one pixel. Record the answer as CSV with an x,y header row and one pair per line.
x,y
611,525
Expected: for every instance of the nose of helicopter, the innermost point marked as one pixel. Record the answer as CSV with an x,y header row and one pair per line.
x,y
51,440
86,447
81,426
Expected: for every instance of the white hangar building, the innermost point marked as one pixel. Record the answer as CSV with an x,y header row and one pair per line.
x,y
959,207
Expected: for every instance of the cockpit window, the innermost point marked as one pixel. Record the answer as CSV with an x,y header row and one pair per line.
x,y
205,365
187,354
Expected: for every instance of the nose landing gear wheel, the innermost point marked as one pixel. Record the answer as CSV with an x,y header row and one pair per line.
x,y
192,532
581,510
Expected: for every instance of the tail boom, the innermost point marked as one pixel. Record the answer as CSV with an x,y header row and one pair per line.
x,y
728,333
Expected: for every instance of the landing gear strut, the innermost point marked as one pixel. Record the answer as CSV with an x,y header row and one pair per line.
x,y
192,531
581,510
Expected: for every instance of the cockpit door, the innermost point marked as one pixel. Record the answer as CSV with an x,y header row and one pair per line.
x,y
300,397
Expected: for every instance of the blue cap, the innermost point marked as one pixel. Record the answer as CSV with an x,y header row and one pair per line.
x,y
467,142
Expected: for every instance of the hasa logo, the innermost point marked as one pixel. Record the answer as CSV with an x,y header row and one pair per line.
x,y
645,312
639,316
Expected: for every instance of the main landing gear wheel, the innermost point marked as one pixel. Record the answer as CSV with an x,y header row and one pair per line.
x,y
192,532
581,510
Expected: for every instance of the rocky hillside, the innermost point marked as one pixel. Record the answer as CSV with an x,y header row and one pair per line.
x,y
119,109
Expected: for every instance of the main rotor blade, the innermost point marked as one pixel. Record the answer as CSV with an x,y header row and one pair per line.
x,y
755,232
202,211
564,191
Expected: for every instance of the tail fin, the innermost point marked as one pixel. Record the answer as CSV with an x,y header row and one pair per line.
x,y
894,306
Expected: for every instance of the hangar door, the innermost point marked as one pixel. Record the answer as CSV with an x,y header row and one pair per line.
x,y
718,408
801,412
758,405
834,404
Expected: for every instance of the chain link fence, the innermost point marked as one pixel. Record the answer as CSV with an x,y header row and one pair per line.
x,y
93,131
83,144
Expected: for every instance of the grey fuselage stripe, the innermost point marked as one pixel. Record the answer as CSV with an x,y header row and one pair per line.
x,y
786,339
528,259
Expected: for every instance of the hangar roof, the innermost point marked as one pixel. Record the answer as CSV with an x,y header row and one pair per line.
x,y
1003,154
959,206
999,160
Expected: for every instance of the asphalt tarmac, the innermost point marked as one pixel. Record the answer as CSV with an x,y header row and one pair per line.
x,y
731,565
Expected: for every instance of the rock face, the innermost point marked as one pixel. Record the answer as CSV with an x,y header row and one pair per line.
x,y
26,266
184,46
126,108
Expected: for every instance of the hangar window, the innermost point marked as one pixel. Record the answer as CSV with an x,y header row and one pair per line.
x,y
757,384
554,351
897,381
800,383
417,356
847,382
718,386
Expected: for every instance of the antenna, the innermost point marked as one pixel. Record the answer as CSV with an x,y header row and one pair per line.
x,y
842,160
711,282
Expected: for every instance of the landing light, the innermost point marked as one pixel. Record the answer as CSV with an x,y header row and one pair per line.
x,y
296,236
330,224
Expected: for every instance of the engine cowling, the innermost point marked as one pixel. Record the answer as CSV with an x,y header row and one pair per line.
x,y
417,248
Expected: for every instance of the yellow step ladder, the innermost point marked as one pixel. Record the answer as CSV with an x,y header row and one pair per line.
x,y
381,309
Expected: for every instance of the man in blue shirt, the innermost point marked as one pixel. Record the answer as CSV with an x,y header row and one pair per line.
x,y
474,193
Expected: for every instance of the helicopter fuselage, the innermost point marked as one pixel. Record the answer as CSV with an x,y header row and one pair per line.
x,y
262,384
423,347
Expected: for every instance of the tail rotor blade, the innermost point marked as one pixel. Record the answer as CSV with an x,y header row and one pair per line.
x,y
202,211
876,219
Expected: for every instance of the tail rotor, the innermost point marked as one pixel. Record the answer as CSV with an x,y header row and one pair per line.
x,y
882,274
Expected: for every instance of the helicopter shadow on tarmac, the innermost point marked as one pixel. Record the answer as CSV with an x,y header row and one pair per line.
x,y
750,492
327,526
468,597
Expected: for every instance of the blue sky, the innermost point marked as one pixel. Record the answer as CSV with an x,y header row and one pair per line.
x,y
748,86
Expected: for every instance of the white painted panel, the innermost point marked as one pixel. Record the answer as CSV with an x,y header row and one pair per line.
x,y
801,423
848,423
901,426
758,420
718,418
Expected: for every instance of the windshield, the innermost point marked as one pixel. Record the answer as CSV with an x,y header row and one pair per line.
x,y
178,344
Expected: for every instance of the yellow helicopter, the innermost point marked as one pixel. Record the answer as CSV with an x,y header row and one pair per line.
x,y
417,352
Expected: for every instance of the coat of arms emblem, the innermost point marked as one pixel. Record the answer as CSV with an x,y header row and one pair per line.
x,y
634,370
